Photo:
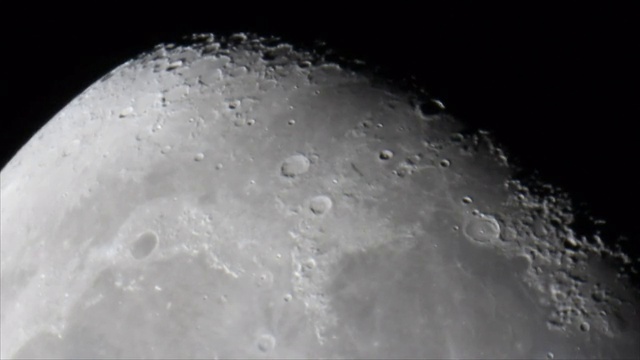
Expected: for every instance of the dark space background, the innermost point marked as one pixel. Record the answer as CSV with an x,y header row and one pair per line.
x,y
558,86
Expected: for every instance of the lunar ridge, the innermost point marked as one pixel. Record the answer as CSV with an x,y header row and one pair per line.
x,y
236,197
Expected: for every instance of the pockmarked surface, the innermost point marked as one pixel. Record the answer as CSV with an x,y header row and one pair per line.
x,y
241,198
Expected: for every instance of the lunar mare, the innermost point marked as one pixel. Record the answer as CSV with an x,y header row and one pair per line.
x,y
231,198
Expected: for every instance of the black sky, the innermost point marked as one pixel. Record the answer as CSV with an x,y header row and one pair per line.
x,y
557,86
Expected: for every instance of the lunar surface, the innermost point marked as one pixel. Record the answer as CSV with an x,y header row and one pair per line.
x,y
240,198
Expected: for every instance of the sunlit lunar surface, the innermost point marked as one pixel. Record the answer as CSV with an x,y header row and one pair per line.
x,y
236,198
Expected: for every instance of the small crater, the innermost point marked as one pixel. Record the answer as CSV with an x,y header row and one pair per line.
x,y
238,122
295,165
457,138
308,265
431,107
126,112
165,149
585,326
264,279
174,65
508,233
266,342
385,155
320,204
445,163
599,296
402,171
483,229
198,157
144,245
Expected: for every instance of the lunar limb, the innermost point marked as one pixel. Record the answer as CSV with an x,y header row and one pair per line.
x,y
235,198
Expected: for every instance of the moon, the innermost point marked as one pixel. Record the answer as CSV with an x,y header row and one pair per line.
x,y
241,198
